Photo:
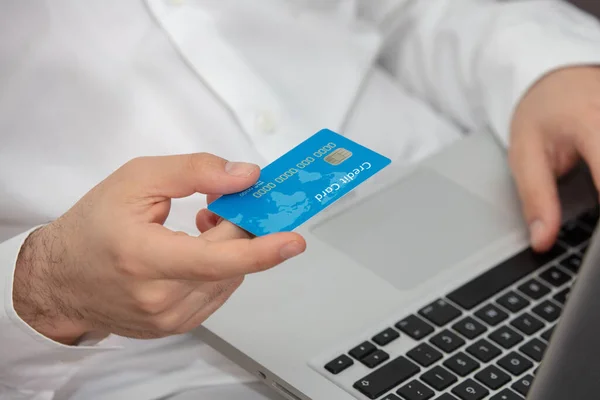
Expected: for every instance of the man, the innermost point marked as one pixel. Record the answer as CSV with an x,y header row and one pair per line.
x,y
88,88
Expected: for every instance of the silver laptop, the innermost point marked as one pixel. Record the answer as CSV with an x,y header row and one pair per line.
x,y
420,288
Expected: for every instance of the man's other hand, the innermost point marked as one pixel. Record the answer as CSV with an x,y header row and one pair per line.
x,y
109,264
556,123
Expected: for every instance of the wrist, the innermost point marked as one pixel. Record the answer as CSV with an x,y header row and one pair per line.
x,y
39,298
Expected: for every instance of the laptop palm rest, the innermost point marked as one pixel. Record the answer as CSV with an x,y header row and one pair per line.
x,y
415,228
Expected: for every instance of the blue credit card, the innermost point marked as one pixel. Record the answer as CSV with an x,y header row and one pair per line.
x,y
301,183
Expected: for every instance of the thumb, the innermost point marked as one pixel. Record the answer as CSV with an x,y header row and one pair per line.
x,y
536,183
183,175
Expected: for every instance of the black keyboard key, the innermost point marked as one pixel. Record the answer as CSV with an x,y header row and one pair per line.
x,y
387,377
339,364
506,337
363,350
440,312
415,390
544,258
515,363
461,364
573,234
507,394
491,315
522,385
513,302
562,296
391,396
414,327
424,354
503,275
493,377
572,263
375,358
555,276
470,390
527,323
547,310
469,328
534,289
483,350
385,337
534,349
548,333
446,396
447,341
439,378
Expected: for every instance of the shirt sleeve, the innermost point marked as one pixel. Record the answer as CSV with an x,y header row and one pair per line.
x,y
473,60
32,366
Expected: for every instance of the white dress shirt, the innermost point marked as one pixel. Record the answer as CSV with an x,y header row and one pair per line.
x,y
87,85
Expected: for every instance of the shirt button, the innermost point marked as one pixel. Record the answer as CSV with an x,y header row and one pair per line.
x,y
266,122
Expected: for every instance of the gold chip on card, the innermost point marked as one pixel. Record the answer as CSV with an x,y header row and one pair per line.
x,y
338,156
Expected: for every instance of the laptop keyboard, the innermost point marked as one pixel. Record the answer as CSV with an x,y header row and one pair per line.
x,y
484,340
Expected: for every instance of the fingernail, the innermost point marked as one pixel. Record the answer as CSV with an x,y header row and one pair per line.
x,y
240,169
292,249
536,232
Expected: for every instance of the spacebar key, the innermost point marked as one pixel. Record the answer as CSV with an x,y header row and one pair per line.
x,y
387,377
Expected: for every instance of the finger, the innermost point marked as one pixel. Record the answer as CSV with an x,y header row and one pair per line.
x,y
183,175
206,220
212,197
225,230
536,183
231,258
213,305
152,297
194,258
198,300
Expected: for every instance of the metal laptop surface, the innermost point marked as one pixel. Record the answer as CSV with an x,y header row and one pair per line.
x,y
386,250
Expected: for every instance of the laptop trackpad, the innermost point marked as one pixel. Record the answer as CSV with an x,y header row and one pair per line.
x,y
415,228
